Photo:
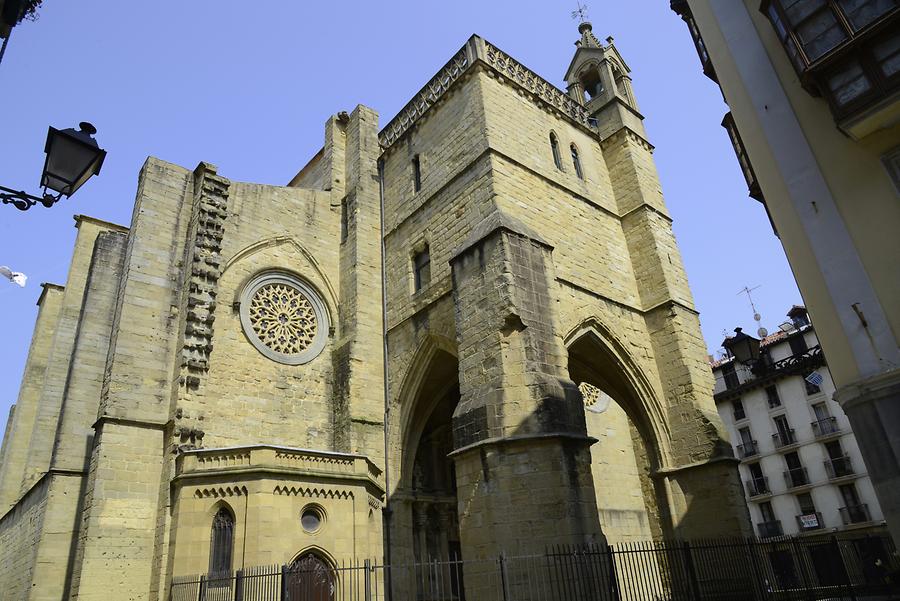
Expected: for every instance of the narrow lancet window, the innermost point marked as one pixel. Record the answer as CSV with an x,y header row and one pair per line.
x,y
221,542
417,173
421,269
554,146
577,162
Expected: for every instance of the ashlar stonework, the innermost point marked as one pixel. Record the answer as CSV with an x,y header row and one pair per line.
x,y
397,345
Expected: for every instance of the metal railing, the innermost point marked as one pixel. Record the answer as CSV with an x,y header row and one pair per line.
x,y
796,477
770,529
758,486
855,514
838,467
748,449
785,568
825,427
783,439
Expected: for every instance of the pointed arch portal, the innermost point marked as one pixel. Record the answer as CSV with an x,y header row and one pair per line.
x,y
309,578
622,413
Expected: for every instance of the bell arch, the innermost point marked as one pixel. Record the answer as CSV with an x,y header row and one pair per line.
x,y
633,433
591,80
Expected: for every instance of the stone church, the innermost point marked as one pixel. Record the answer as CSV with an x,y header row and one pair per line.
x,y
464,333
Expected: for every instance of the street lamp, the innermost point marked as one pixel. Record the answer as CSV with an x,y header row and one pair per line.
x,y
72,158
743,347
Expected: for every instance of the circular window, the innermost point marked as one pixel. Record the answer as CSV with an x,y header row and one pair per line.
x,y
311,518
284,318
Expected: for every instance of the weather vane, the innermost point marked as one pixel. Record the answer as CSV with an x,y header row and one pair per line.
x,y
581,13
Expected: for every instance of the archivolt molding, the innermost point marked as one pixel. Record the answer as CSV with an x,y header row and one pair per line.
x,y
313,492
234,490
418,367
641,386
412,382
284,239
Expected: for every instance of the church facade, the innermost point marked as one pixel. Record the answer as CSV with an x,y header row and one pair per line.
x,y
409,352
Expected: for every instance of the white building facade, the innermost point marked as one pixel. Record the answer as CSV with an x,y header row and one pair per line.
x,y
800,463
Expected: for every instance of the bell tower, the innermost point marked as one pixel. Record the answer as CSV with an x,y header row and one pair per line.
x,y
599,79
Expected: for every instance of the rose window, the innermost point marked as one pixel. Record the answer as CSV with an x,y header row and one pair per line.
x,y
284,318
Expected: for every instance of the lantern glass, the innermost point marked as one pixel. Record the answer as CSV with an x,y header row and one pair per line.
x,y
744,348
72,158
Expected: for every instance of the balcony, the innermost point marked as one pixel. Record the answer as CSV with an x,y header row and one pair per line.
x,y
748,449
826,428
855,514
839,467
796,477
848,59
784,439
757,487
810,521
767,373
770,529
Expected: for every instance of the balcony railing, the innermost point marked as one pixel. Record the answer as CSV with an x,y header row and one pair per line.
x,y
783,439
758,486
748,449
810,521
766,374
855,514
796,477
770,529
825,427
838,467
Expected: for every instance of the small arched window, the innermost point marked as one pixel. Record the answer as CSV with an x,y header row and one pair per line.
x,y
554,146
576,162
221,542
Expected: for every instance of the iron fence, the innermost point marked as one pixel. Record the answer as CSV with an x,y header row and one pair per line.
x,y
784,569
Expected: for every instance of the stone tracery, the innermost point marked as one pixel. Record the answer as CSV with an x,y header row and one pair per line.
x,y
283,318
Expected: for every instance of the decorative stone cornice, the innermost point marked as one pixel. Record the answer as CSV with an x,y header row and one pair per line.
x,y
293,467
314,492
219,492
479,50
427,96
534,83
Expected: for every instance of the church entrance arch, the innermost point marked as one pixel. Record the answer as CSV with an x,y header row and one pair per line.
x,y
428,480
623,415
309,578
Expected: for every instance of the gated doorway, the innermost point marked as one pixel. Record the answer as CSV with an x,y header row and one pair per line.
x,y
309,578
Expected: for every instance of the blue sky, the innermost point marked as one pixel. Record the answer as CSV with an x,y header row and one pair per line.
x,y
248,86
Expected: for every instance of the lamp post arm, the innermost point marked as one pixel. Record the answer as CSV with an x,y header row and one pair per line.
x,y
23,201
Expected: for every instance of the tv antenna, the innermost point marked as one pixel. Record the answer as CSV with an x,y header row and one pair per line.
x,y
581,13
761,331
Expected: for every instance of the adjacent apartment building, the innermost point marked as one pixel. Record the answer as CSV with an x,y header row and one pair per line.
x,y
813,88
800,462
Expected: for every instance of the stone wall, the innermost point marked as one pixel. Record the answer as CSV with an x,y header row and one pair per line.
x,y
15,448
20,530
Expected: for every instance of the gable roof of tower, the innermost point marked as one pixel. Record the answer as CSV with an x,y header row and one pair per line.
x,y
600,50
